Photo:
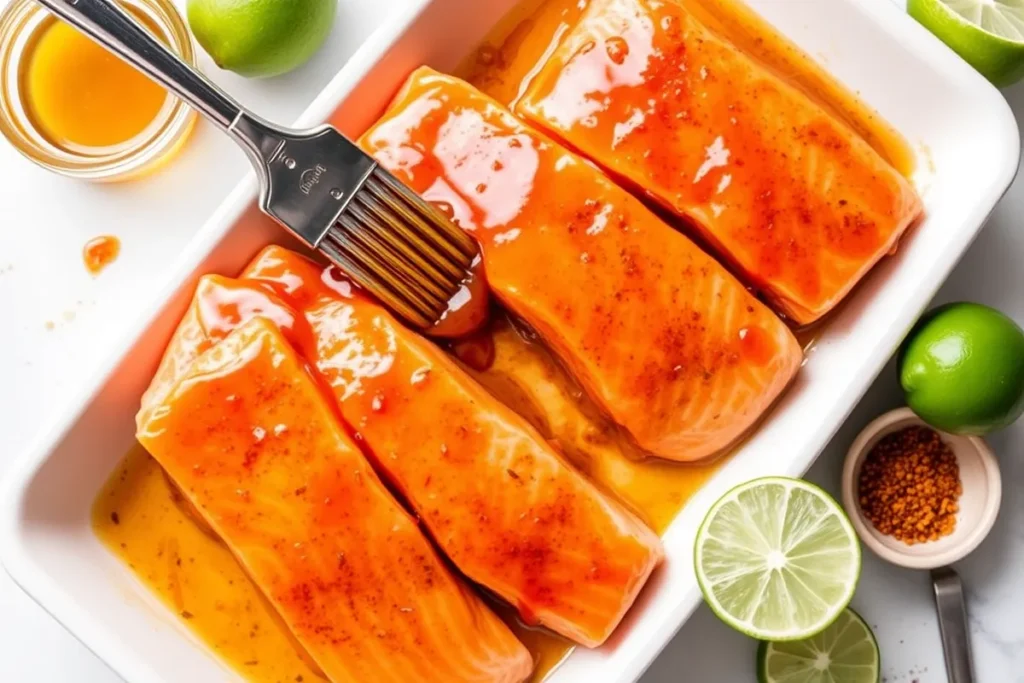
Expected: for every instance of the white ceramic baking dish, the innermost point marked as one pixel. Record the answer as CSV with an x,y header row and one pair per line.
x,y
928,93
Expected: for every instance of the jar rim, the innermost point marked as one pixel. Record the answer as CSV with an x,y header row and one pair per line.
x,y
21,22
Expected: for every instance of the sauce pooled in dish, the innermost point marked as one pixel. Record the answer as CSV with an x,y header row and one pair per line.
x,y
252,442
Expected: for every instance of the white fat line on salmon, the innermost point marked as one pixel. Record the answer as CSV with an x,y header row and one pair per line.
x,y
715,156
507,236
624,128
600,221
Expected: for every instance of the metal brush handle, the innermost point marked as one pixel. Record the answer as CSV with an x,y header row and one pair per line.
x,y
115,29
306,177
111,26
392,242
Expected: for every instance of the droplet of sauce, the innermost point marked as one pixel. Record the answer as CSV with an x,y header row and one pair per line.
x,y
446,208
468,309
617,49
756,345
477,350
100,252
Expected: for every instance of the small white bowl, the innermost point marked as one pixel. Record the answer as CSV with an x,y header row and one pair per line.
x,y
979,502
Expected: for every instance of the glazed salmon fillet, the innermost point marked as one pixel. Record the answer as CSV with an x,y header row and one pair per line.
x,y
249,437
789,195
498,500
665,340
218,306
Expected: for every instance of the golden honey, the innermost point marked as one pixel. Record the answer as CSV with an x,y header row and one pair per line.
x,y
72,107
80,96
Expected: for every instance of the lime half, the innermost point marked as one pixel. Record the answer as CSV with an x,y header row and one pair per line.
x,y
777,559
988,34
845,652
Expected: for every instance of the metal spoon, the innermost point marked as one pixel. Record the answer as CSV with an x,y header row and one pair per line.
x,y
956,639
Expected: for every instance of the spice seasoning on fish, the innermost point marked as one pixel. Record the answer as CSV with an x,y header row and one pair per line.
x,y
909,486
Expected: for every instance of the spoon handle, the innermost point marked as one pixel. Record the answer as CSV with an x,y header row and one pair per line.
x,y
956,640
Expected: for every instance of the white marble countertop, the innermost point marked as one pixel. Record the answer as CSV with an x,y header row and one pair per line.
x,y
56,319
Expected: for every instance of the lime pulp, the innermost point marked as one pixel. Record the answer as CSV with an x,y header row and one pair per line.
x,y
845,652
777,559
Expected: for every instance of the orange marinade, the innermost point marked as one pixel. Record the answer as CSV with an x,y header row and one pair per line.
x,y
223,606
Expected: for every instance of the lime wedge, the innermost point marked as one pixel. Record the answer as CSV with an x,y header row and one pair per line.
x,y
845,652
777,559
988,34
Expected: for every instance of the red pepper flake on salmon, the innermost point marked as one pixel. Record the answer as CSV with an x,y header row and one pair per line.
x,y
344,565
498,499
662,337
791,196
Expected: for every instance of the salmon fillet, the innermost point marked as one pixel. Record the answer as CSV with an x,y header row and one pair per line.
x,y
666,341
789,195
218,306
499,501
249,438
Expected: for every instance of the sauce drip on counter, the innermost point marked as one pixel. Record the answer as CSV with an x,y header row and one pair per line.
x,y
81,97
100,252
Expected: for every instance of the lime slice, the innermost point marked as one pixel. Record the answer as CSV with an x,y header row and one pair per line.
x,y
845,652
988,34
777,559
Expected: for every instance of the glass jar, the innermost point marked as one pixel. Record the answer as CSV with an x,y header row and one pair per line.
x,y
21,24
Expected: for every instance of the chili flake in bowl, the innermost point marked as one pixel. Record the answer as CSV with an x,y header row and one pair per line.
x,y
918,497
909,485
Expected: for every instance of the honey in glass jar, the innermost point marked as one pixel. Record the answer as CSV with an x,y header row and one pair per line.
x,y
73,107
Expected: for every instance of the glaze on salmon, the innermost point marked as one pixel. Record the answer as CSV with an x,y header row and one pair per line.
x,y
252,442
499,500
789,195
218,306
667,342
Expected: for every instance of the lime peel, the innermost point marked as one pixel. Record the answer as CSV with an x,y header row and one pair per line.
x,y
962,369
988,34
261,38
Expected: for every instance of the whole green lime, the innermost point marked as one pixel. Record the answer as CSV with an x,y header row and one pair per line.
x,y
962,368
259,38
